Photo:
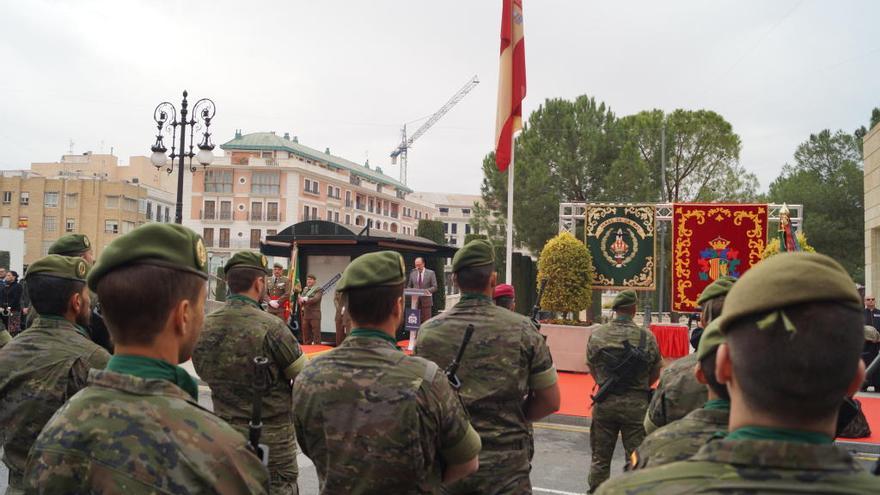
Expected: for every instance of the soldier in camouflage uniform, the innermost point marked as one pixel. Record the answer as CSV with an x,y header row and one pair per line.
x,y
137,427
224,357
371,418
623,410
780,321
679,392
43,367
74,245
681,439
507,373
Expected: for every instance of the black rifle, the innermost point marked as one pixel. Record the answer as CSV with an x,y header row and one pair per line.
x,y
98,330
536,309
255,427
628,364
452,369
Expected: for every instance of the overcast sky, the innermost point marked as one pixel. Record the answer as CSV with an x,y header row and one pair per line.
x,y
347,74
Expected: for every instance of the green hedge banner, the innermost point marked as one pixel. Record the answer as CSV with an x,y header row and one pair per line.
x,y
621,240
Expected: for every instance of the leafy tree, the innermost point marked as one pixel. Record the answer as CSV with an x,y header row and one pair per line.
x,y
827,178
862,131
433,230
566,264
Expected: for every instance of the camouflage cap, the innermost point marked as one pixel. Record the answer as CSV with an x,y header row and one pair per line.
x,y
710,340
788,279
56,265
502,290
373,270
160,244
718,288
478,252
247,259
625,298
70,245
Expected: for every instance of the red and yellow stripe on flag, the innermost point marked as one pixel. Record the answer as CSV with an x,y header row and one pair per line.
x,y
511,81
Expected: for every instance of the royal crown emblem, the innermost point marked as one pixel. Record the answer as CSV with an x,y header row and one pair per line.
x,y
718,260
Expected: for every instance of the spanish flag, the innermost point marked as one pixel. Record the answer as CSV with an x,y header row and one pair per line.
x,y
511,81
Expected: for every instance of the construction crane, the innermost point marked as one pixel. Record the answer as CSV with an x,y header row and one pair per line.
x,y
406,142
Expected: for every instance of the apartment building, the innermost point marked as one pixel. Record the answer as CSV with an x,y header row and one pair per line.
x,y
82,193
264,183
454,210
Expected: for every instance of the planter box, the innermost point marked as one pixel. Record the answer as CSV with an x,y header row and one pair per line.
x,y
568,345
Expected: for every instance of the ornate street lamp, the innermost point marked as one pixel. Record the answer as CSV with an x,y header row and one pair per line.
x,y
165,113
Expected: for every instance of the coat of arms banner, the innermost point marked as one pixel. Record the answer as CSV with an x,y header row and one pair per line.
x,y
621,241
711,241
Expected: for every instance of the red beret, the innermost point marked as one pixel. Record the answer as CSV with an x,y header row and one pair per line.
x,y
503,290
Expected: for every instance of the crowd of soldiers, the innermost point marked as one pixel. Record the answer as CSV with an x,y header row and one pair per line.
x,y
754,409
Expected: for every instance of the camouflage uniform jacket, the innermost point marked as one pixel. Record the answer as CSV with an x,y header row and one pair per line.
x,y
374,420
224,357
124,434
680,439
611,336
505,360
39,371
677,394
753,466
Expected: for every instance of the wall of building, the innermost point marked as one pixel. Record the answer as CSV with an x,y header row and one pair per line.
x,y
12,241
872,210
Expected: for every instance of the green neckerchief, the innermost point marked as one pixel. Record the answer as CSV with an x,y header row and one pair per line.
x,y
79,329
620,317
779,434
244,299
372,332
475,296
717,405
150,368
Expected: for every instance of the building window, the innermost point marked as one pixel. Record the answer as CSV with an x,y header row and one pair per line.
x,y
370,207
24,198
347,219
149,210
167,212
271,232
50,224
336,216
70,225
272,211
210,210
444,211
128,226
465,212
226,210
266,183
255,238
311,186
158,213
454,228
7,197
329,216
111,202
378,188
330,191
111,227
467,228
306,211
50,200
445,228
314,213
129,204
71,200
218,181
256,211
224,238
208,237
348,199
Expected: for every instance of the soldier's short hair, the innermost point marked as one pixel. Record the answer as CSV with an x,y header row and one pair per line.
x,y
707,365
504,302
241,279
474,278
712,308
50,295
372,305
800,374
137,299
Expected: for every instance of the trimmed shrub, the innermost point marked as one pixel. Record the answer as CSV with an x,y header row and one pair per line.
x,y
566,264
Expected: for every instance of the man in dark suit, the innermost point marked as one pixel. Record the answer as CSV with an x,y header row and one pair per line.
x,y
422,278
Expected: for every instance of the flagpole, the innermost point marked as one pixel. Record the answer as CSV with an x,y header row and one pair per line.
x,y
508,259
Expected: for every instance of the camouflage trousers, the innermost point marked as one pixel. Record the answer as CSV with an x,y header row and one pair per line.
x,y
283,471
618,415
502,472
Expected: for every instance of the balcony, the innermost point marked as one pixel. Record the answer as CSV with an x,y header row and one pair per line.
x,y
224,216
257,216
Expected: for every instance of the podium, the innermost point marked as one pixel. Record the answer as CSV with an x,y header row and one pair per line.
x,y
413,317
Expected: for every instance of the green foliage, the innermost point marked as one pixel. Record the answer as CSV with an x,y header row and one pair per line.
x,y
567,266
525,275
433,230
827,179
220,285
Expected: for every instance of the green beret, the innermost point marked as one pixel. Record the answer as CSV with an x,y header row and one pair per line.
x,y
247,259
55,265
625,298
70,245
788,279
478,252
373,270
717,288
160,244
710,340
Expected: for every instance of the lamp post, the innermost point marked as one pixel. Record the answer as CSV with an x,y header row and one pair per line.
x,y
165,113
